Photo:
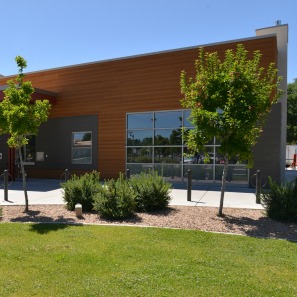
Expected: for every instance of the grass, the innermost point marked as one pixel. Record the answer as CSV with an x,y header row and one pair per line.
x,y
63,260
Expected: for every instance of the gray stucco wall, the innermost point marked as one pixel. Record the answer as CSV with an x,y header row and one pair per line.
x,y
269,147
55,140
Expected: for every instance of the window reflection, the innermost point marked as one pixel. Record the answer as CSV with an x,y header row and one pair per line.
x,y
139,155
186,121
168,137
169,171
82,139
82,147
28,150
138,168
200,157
81,156
139,137
169,119
168,155
200,172
140,121
237,174
154,141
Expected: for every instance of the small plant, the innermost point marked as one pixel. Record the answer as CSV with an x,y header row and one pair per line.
x,y
81,189
152,191
280,201
115,200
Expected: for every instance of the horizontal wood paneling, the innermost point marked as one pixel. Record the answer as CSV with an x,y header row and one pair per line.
x,y
112,88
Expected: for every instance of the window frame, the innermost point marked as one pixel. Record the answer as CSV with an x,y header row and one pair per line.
x,y
83,146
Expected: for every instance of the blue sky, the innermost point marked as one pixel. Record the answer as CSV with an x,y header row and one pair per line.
x,y
57,33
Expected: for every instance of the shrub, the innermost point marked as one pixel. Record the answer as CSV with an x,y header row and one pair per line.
x,y
280,201
115,200
152,191
81,189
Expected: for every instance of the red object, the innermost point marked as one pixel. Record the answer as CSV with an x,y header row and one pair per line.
x,y
38,94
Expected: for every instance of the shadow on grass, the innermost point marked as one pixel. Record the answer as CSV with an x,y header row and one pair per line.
x,y
44,224
263,227
44,228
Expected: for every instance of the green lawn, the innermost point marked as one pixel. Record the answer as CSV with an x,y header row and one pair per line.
x,y
63,260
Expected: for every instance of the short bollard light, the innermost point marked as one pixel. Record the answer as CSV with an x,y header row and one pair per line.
x,y
78,210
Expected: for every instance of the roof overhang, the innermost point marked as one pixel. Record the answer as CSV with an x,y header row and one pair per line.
x,y
39,94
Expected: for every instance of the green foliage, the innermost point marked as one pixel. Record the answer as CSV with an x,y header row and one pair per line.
x,y
292,113
280,201
19,115
152,191
229,100
82,190
115,199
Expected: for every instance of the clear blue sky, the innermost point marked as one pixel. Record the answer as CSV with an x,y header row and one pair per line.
x,y
57,33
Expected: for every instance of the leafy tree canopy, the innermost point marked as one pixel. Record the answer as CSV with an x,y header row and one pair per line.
x,y
19,115
292,113
229,100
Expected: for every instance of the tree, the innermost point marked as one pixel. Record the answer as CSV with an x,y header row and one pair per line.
x,y
20,115
292,113
229,100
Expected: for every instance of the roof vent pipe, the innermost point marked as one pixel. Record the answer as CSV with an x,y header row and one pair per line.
x,y
278,23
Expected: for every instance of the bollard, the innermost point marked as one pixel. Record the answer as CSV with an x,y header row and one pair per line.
x,y
128,174
189,192
258,186
5,185
78,210
66,175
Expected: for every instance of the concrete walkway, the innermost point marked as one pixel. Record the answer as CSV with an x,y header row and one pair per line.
x,y
42,191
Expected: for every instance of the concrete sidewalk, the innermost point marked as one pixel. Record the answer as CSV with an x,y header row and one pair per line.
x,y
50,192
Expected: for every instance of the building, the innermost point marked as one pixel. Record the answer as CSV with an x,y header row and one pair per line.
x,y
125,113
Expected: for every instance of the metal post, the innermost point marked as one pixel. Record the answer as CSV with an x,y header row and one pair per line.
x,y
6,185
258,186
128,174
189,192
66,175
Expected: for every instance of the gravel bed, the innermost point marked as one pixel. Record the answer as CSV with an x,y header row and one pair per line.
x,y
236,221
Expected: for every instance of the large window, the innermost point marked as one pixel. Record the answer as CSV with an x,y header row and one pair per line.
x,y
154,141
82,148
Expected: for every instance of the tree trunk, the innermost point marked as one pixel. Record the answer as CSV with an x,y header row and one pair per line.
x,y
24,179
220,213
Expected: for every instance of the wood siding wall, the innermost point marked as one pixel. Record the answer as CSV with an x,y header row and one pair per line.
x,y
113,88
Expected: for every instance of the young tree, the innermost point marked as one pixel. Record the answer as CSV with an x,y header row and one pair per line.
x,y
20,115
229,100
292,113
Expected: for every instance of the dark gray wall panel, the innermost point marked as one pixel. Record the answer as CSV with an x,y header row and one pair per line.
x,y
4,152
268,149
54,139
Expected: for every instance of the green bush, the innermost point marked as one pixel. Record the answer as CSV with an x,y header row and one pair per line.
x,y
81,189
115,199
280,201
152,191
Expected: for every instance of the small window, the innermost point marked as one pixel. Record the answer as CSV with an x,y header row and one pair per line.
x,y
28,151
82,148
